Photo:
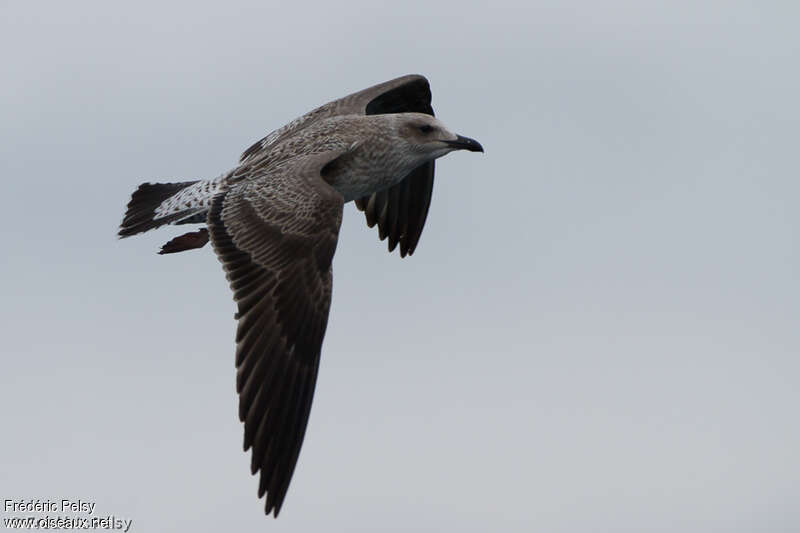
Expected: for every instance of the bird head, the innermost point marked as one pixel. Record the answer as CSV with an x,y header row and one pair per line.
x,y
429,137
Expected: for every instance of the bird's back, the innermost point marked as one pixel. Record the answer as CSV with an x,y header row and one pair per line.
x,y
373,158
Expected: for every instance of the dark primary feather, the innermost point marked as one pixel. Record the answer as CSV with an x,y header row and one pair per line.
x,y
409,209
275,234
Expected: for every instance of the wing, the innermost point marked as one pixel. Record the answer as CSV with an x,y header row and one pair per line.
x,y
276,234
399,211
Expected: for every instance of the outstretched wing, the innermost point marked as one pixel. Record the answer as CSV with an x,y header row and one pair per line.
x,y
399,211
276,234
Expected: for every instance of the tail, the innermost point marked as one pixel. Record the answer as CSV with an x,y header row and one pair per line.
x,y
147,209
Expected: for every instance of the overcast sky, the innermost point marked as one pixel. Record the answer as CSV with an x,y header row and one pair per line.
x,y
598,330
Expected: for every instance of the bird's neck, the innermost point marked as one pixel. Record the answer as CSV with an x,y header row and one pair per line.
x,y
369,169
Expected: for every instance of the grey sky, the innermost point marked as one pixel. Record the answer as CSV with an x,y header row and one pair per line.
x,y
598,331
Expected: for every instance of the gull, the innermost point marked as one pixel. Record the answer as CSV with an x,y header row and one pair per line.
x,y
274,221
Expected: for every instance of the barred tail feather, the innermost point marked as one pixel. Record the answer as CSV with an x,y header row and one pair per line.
x,y
141,214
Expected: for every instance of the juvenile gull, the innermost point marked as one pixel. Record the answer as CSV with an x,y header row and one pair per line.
x,y
274,222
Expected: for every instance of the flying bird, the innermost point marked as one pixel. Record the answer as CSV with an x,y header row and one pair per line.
x,y
273,222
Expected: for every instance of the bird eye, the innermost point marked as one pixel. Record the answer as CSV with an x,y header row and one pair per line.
x,y
427,128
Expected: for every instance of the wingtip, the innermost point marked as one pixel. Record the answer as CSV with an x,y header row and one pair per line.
x,y
124,232
414,76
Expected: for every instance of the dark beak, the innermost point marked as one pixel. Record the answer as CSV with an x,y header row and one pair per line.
x,y
465,143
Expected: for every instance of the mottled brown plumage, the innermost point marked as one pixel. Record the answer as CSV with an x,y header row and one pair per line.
x,y
274,222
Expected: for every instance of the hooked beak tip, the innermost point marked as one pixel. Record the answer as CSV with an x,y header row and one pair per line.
x,y
465,143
